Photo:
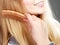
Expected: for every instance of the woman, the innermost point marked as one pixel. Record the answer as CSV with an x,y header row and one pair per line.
x,y
34,27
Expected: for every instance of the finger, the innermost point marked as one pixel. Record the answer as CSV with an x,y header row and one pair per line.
x,y
30,18
36,18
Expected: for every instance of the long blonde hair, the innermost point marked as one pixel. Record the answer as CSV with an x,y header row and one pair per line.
x,y
1,32
52,24
16,31
15,27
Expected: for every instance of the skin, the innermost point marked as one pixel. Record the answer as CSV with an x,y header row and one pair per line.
x,y
38,27
34,6
39,30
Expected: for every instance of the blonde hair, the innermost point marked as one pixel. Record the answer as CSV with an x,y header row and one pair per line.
x,y
15,27
52,24
1,34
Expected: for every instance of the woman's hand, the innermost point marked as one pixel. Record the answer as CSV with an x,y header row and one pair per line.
x,y
39,30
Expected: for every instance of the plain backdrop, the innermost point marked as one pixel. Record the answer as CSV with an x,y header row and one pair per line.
x,y
55,6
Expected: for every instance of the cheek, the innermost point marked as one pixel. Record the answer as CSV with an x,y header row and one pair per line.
x,y
27,2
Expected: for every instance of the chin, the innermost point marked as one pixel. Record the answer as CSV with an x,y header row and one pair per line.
x,y
35,12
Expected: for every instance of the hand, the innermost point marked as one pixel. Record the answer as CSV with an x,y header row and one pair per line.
x,y
39,30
